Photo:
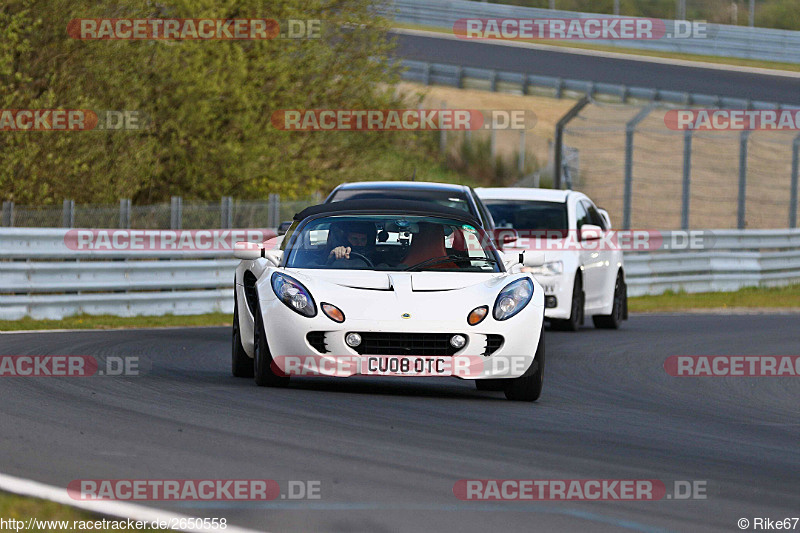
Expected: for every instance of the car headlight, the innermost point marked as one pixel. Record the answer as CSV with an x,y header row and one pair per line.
x,y
552,268
513,299
292,293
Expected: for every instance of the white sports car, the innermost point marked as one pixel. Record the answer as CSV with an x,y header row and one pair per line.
x,y
395,287
582,276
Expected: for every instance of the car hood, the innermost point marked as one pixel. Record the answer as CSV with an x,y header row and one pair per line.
x,y
429,296
387,281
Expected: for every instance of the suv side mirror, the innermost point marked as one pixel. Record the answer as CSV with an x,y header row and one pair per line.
x,y
590,232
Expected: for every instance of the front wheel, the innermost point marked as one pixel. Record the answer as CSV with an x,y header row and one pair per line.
x,y
575,319
241,364
528,388
262,359
618,310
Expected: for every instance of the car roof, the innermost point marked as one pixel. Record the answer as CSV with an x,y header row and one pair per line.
x,y
522,193
417,185
386,206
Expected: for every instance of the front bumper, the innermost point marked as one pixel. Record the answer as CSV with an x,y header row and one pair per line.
x,y
287,336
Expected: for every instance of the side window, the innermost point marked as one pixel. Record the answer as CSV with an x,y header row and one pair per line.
x,y
594,216
581,216
486,217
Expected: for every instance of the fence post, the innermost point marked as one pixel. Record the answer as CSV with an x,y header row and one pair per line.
x,y
274,205
124,213
8,214
740,212
559,139
793,194
176,213
687,178
226,212
68,214
630,129
521,160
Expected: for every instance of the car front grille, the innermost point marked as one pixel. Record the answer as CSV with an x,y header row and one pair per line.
x,y
373,343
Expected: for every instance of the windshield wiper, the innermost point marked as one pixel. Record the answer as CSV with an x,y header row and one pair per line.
x,y
448,258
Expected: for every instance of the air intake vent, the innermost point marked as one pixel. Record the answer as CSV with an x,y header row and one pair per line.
x,y
317,340
493,343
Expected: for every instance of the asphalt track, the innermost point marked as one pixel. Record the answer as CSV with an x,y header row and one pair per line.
x,y
388,452
779,89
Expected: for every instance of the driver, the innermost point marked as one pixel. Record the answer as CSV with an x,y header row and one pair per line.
x,y
357,238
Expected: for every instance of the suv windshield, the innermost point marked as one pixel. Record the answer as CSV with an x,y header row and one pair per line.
x,y
392,243
528,214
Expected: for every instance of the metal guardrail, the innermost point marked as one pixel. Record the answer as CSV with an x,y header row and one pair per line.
x,y
48,280
496,80
721,40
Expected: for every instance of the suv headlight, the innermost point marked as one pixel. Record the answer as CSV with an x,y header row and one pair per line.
x,y
292,293
513,299
552,268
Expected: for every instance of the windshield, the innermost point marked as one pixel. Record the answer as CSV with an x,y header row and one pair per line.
x,y
528,215
392,243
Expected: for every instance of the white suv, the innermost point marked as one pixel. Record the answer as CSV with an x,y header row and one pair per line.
x,y
580,277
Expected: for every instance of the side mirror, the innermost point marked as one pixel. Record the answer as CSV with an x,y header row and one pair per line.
x,y
247,251
532,259
590,232
503,236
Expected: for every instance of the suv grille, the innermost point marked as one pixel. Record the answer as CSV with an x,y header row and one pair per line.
x,y
373,343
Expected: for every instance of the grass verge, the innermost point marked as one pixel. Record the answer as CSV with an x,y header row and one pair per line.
x,y
112,322
751,297
22,508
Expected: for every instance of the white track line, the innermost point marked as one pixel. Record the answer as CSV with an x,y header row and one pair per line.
x,y
34,489
600,53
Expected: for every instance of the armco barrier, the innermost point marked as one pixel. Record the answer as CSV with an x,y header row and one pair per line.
x,y
722,40
41,277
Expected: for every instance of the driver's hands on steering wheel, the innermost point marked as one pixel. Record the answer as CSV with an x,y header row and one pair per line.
x,y
341,252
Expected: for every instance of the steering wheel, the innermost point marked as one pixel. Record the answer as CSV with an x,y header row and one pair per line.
x,y
357,255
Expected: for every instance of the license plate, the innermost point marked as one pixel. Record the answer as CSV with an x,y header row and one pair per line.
x,y
406,365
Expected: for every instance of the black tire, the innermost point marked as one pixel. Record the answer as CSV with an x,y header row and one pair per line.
x,y
490,384
241,363
618,310
575,319
528,387
262,360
